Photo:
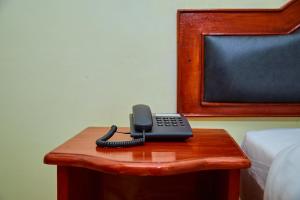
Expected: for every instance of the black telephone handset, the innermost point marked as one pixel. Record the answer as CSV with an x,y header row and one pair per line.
x,y
142,118
146,125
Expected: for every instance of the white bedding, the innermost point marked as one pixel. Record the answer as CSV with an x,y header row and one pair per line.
x,y
283,182
262,146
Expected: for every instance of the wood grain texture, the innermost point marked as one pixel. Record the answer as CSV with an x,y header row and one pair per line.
x,y
193,25
93,185
206,166
208,149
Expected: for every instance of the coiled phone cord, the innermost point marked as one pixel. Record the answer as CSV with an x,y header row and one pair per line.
x,y
102,142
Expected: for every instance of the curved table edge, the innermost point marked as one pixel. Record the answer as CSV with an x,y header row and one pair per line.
x,y
146,168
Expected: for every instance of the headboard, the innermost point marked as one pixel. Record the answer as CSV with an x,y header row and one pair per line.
x,y
239,62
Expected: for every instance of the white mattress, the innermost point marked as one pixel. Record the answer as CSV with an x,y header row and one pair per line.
x,y
262,146
283,180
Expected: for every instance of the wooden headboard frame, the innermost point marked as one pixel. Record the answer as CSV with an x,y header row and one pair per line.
x,y
193,25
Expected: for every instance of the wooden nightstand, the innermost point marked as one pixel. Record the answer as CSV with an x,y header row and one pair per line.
x,y
206,166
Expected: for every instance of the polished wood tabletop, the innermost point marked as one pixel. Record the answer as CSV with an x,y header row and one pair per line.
x,y
208,149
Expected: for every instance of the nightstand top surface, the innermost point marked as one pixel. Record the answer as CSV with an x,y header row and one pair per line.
x,y
208,149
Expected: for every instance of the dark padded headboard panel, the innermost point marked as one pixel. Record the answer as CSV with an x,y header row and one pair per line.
x,y
252,69
239,62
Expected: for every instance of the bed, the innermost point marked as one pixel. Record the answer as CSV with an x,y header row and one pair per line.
x,y
262,148
244,63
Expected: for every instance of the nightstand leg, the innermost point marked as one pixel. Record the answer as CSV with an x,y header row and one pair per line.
x,y
227,184
62,183
76,183
233,184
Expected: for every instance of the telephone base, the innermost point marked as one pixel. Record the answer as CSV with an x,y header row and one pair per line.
x,y
166,127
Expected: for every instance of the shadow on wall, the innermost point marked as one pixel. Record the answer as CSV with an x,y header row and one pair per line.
x,y
2,3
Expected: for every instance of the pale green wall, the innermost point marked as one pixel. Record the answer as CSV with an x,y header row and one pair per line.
x,y
69,64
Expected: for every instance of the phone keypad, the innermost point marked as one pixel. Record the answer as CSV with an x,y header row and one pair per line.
x,y
169,121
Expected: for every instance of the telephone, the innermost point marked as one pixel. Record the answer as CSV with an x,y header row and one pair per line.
x,y
145,125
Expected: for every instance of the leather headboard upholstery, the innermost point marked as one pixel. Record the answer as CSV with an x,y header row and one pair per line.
x,y
252,69
239,62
